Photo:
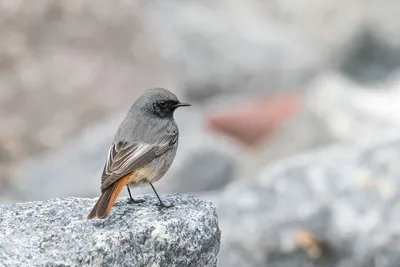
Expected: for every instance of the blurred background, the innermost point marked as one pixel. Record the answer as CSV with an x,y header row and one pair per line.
x,y
267,80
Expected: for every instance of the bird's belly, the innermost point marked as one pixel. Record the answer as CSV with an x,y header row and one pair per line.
x,y
154,171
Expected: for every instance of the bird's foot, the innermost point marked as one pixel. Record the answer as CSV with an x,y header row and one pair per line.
x,y
161,205
135,201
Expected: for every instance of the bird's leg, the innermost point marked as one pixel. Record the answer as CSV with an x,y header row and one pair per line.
x,y
162,205
131,200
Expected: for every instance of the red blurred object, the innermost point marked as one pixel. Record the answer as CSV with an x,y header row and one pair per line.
x,y
253,121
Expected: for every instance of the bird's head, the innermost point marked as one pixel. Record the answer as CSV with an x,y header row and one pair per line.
x,y
159,102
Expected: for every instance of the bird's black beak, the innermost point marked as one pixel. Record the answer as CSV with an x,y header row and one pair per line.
x,y
182,104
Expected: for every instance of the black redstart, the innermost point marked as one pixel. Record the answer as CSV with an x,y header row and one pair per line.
x,y
143,148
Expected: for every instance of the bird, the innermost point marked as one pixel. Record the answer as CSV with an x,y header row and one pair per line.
x,y
143,149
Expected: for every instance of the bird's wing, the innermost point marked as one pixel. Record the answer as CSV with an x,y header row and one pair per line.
x,y
124,157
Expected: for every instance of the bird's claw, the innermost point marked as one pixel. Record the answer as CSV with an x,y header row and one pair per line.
x,y
135,201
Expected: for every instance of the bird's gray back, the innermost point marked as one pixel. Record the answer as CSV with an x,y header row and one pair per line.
x,y
138,127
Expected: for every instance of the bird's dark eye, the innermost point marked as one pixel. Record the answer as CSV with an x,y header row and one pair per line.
x,y
163,104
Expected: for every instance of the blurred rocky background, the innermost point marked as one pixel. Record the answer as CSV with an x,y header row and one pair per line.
x,y
268,81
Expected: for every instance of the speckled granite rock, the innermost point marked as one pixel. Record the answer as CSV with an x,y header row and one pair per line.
x,y
57,233
335,207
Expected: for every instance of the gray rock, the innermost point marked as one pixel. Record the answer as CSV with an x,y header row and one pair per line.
x,y
353,114
304,132
57,233
369,59
205,171
334,207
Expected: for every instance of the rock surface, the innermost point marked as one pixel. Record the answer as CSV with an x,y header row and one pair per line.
x,y
207,170
57,233
356,113
370,60
334,207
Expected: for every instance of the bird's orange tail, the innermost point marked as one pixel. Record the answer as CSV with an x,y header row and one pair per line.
x,y
106,200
